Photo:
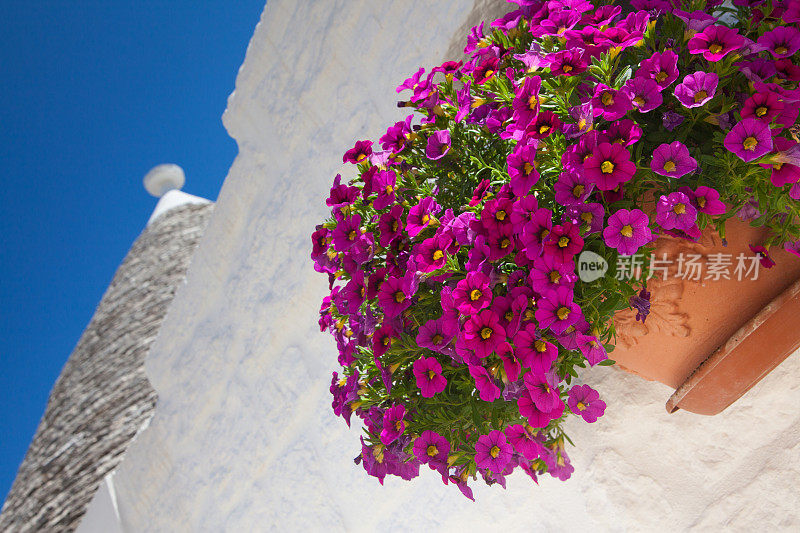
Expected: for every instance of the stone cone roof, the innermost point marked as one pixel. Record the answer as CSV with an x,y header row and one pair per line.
x,y
102,397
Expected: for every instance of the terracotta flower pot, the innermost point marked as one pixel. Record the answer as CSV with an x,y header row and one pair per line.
x,y
713,339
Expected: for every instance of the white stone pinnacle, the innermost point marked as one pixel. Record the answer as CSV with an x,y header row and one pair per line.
x,y
163,178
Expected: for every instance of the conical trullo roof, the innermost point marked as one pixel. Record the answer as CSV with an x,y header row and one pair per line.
x,y
102,397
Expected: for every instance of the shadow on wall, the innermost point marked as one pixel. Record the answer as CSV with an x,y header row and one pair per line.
x,y
486,10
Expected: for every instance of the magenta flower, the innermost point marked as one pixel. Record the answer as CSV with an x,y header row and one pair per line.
x,y
696,20
483,333
610,103
764,106
496,213
675,211
548,274
764,257
673,160
521,169
592,350
793,247
567,62
589,217
382,339
393,424
671,120
536,417
535,352
609,166
627,231
346,233
420,216
501,242
438,144
749,139
543,125
715,42
563,242
523,442
430,447
435,335
396,137
486,70
394,296
623,132
493,451
384,183
536,231
697,89
472,293
359,153
543,389
557,311
556,23
341,194
390,225
572,188
412,82
784,172
523,211
644,94
428,372
487,389
431,254
783,41
705,199
555,457
585,401
526,101
661,67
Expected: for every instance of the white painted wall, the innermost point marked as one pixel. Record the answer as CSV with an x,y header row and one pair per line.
x,y
243,438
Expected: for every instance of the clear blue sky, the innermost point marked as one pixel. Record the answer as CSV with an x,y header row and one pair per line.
x,y
93,94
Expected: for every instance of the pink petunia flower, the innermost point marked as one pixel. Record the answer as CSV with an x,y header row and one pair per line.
x,y
536,417
585,401
438,145
697,89
428,373
749,139
661,67
673,160
493,451
715,42
609,166
359,153
610,103
431,448
627,231
782,41
675,211
487,388
557,311
644,94
483,333
393,424
472,293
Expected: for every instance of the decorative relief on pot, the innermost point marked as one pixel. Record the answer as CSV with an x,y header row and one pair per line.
x,y
666,289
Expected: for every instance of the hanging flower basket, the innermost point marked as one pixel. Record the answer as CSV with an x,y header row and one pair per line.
x,y
485,249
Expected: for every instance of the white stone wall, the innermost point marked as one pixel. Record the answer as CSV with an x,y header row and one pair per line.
x,y
243,438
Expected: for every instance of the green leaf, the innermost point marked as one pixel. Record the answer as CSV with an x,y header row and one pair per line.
x,y
623,76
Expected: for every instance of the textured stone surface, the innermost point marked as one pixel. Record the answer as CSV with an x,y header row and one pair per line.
x,y
102,397
243,438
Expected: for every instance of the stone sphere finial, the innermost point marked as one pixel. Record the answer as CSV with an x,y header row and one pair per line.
x,y
164,178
